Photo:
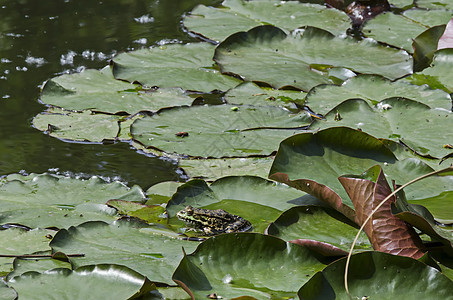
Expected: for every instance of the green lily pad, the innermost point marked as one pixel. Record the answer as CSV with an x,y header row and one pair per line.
x,y
6,292
435,4
88,282
189,67
99,91
312,159
161,192
233,265
248,93
400,30
147,213
373,89
78,126
438,75
23,265
376,275
151,251
425,45
304,58
413,123
318,223
439,206
218,131
217,23
215,168
238,195
18,241
43,200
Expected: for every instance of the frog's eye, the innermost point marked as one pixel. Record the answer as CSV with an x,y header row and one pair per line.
x,y
189,210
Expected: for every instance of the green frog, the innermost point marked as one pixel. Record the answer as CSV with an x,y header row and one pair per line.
x,y
213,221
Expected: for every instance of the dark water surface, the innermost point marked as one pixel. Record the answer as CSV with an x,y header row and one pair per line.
x,y
42,39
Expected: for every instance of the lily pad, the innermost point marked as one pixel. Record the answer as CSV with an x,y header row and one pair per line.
x,y
78,126
367,272
400,30
161,192
304,58
438,75
413,123
217,23
218,131
233,265
18,241
435,4
215,168
23,265
373,89
238,195
6,292
43,200
88,282
318,223
312,162
248,93
99,91
148,213
189,67
151,251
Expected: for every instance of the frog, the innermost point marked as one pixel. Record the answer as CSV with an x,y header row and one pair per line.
x,y
213,221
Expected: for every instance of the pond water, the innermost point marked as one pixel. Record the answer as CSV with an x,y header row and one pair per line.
x,y
43,39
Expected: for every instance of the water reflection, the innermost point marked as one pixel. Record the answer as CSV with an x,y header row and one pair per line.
x,y
41,39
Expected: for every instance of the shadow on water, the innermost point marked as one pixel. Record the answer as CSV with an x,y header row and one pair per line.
x,y
42,39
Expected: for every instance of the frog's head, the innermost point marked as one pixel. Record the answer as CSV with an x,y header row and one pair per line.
x,y
194,216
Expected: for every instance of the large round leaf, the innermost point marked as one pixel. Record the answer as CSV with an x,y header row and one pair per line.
x,y
246,264
99,91
320,224
152,252
323,98
303,59
215,168
18,241
218,131
88,282
435,4
185,66
239,15
400,30
438,75
376,275
238,195
318,159
7,293
415,124
57,201
23,265
248,93
82,126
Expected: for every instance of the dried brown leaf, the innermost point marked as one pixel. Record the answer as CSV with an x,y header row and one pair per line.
x,y
386,232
